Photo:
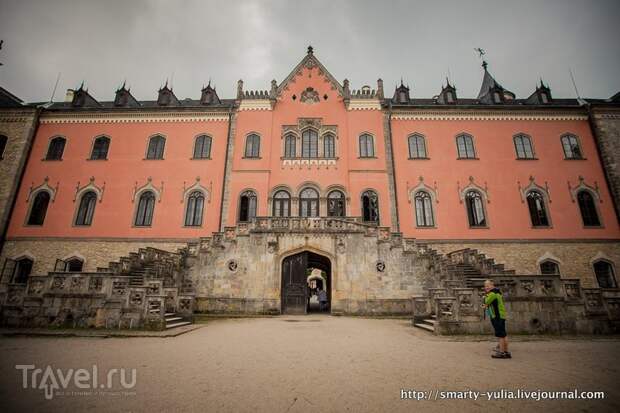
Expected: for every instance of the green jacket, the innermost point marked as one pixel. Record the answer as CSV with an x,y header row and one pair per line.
x,y
495,303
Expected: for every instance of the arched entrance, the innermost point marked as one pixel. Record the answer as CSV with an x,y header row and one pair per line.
x,y
296,276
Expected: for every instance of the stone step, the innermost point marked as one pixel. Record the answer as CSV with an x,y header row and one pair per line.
x,y
425,327
172,319
177,324
430,321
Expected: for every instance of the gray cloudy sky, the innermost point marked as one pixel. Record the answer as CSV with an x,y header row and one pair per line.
x,y
145,42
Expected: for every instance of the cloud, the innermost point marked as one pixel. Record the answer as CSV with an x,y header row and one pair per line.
x,y
190,42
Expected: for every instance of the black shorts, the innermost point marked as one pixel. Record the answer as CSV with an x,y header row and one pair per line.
x,y
499,325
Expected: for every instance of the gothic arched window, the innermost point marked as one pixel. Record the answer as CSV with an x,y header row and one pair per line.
x,y
282,204
100,148
308,203
310,144
605,276
549,267
156,147
86,210
194,209
465,146
252,146
21,271
3,141
74,265
39,208
146,207
202,147
370,207
417,147
329,146
56,149
475,209
523,146
367,146
247,206
336,204
290,146
423,209
537,208
571,147
589,214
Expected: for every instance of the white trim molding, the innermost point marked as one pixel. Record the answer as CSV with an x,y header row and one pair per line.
x,y
594,190
473,185
422,186
90,186
533,186
43,187
137,117
137,191
471,114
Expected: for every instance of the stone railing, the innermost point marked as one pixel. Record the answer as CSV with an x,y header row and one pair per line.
x,y
536,303
110,297
303,224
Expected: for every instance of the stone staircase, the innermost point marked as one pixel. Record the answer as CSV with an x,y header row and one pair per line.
x,y
145,289
174,320
462,269
536,303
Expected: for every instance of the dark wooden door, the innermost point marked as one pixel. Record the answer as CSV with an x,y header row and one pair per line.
x,y
294,284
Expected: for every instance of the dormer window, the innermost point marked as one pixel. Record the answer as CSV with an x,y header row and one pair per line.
x,y
497,98
402,96
544,98
449,97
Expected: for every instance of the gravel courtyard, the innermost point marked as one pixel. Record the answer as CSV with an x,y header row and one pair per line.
x,y
310,364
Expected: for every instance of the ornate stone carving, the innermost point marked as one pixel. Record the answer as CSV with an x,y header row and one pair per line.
x,y
528,286
153,288
272,246
136,298
77,283
185,304
572,290
95,284
547,287
119,288
310,96
380,265
232,265
58,283
35,287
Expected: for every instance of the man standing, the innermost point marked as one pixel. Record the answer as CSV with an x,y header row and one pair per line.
x,y
323,299
494,307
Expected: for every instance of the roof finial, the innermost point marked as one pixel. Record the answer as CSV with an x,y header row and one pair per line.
x,y
310,49
481,53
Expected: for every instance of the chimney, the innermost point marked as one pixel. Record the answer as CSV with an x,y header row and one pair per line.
x,y
69,95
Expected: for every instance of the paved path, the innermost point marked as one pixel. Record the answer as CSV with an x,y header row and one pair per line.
x,y
310,364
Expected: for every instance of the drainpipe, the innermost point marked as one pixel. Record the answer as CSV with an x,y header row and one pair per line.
x,y
396,224
29,144
597,142
224,183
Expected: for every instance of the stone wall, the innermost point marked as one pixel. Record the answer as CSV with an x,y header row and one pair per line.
x,y
241,272
18,126
96,253
606,122
575,258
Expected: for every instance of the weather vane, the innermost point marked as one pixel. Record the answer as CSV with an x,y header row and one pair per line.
x,y
481,53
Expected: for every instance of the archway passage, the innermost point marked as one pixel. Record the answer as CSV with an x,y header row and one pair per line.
x,y
297,282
